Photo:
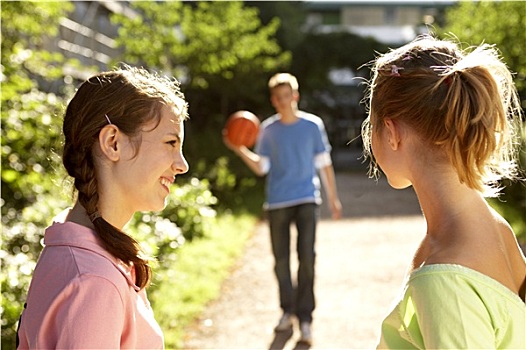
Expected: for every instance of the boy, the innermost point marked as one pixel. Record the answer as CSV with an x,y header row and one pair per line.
x,y
292,147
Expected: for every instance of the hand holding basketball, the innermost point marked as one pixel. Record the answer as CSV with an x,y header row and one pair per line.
x,y
241,129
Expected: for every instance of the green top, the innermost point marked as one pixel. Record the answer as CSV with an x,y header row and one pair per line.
x,y
447,306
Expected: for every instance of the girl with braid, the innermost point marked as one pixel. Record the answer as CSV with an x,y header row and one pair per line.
x,y
446,120
123,147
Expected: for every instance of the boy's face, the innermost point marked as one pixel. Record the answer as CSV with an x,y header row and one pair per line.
x,y
283,99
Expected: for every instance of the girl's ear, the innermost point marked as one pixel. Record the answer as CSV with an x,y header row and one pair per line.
x,y
393,133
109,138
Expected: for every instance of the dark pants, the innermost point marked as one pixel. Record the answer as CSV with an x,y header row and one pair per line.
x,y
300,302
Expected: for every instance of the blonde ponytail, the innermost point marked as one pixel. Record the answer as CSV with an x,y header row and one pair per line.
x,y
463,102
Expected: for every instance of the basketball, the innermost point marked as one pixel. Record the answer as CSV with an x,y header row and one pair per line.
x,y
242,128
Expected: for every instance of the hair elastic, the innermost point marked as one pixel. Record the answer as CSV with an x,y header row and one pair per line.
x,y
95,215
108,119
394,70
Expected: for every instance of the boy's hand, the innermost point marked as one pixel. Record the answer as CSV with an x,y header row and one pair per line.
x,y
336,209
230,145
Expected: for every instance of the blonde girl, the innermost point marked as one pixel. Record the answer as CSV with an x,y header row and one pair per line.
x,y
445,121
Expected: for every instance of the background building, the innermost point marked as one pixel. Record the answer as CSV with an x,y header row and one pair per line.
x,y
88,36
392,23
389,22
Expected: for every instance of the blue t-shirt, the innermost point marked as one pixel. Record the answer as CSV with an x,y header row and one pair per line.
x,y
291,148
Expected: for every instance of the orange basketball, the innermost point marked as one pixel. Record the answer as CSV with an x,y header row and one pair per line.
x,y
242,128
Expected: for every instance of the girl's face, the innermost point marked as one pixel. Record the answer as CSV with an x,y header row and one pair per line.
x,y
146,174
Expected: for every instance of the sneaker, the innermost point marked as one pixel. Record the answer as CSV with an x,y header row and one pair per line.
x,y
306,336
285,323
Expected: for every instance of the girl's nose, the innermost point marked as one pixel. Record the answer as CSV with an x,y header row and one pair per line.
x,y
180,165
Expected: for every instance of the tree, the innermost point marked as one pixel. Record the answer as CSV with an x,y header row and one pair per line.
x,y
315,57
34,184
30,127
30,136
219,50
502,23
223,56
494,22
292,16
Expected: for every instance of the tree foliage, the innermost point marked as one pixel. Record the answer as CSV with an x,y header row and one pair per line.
x,y
494,22
223,55
30,136
315,57
35,187
502,23
219,50
30,123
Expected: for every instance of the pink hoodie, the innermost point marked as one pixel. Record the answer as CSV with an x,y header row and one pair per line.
x,y
82,297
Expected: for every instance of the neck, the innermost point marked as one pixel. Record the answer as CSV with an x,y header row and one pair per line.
x,y
113,215
289,116
118,215
451,210
446,203
79,216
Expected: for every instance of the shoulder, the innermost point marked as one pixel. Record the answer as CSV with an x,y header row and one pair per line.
x,y
94,289
90,262
457,307
488,247
312,123
311,118
73,250
269,121
94,267
439,280
62,267
90,312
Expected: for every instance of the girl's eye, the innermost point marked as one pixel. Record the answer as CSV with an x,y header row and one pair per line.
x,y
172,143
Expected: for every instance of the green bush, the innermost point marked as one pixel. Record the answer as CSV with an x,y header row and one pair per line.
x,y
195,276
188,215
512,204
236,187
189,209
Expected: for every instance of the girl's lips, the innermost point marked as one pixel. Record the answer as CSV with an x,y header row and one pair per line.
x,y
166,183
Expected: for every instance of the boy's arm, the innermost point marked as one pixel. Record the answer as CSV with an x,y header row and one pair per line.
x,y
256,163
329,183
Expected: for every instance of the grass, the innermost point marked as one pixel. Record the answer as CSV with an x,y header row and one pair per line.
x,y
197,275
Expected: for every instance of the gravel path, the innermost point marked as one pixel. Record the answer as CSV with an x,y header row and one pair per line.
x,y
360,267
